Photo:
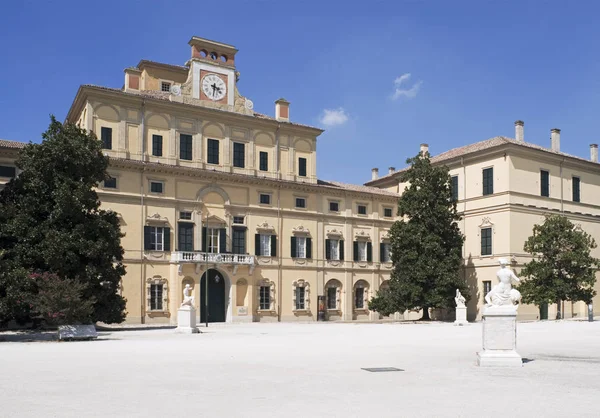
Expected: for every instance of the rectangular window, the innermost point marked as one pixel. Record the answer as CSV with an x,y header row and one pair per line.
x,y
265,199
362,250
300,202
106,137
334,249
187,216
486,241
156,297
334,207
454,187
331,298
488,181
388,212
165,86
301,247
576,189
186,236
238,220
263,161
544,183
385,252
302,167
212,153
362,209
265,245
6,171
300,295
110,183
157,238
265,298
157,142
239,154
359,298
185,147
156,187
487,287
213,240
238,241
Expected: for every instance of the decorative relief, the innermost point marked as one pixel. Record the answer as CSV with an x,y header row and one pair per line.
x,y
362,235
485,221
265,227
157,218
271,285
335,233
301,230
157,280
306,286
385,235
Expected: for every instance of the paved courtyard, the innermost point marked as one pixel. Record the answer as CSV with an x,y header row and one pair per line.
x,y
303,370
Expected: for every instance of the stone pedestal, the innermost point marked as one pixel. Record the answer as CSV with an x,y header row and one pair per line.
x,y
499,338
186,320
461,316
77,332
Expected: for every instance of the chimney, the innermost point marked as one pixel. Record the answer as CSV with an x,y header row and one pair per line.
x,y
555,139
424,149
374,173
391,170
282,110
519,136
594,153
132,79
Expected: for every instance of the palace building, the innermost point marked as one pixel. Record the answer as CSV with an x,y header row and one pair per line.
x,y
212,194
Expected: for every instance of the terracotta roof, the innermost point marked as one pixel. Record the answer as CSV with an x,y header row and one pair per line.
x,y
12,144
481,146
357,188
163,95
162,64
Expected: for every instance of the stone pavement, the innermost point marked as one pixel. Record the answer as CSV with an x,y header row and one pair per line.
x,y
304,370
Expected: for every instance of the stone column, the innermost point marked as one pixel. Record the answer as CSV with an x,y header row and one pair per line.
x,y
499,338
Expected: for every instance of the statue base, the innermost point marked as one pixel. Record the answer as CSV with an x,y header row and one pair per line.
x,y
499,338
186,320
461,316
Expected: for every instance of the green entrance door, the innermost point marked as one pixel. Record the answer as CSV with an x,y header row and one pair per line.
x,y
216,297
543,311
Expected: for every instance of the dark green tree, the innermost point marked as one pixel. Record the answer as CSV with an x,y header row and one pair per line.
x,y
562,267
426,244
51,222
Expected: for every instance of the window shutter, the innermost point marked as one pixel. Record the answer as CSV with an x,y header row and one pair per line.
x,y
167,238
257,244
369,251
147,239
341,248
222,240
355,250
327,250
273,245
308,247
293,247
204,238
381,251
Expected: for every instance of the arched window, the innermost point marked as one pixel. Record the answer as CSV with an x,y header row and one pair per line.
x,y
361,294
333,290
301,294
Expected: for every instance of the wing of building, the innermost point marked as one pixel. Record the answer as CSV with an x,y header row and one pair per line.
x,y
504,187
202,182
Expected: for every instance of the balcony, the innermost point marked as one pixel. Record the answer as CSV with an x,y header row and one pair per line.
x,y
199,258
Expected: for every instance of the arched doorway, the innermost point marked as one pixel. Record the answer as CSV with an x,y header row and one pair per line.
x,y
216,297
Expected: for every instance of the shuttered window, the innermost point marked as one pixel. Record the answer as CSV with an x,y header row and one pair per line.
x,y
454,187
544,183
576,189
185,147
486,241
157,145
264,161
106,137
239,155
488,181
212,153
302,167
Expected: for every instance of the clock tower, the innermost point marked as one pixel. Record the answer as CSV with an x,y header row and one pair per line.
x,y
213,74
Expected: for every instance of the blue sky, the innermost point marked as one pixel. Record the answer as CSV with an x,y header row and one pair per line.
x,y
475,67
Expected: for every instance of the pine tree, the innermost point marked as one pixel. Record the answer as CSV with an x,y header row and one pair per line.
x,y
426,244
51,222
562,267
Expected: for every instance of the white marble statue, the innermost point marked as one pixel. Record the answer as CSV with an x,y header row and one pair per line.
x,y
188,299
503,294
459,299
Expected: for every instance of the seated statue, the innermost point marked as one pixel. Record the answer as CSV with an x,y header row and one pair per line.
x,y
459,299
188,299
503,294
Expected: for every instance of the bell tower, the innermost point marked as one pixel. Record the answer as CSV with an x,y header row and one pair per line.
x,y
213,71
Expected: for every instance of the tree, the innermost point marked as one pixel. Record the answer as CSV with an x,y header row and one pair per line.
x,y
562,267
426,244
51,221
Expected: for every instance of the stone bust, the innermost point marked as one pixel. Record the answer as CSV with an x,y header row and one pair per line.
x,y
503,294
188,299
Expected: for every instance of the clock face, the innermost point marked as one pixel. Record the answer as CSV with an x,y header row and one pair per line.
x,y
214,87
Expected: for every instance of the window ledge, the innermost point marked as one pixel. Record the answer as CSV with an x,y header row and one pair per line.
x,y
157,313
301,311
266,311
361,310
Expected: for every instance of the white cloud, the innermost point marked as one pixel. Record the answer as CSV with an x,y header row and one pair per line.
x,y
334,117
401,91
